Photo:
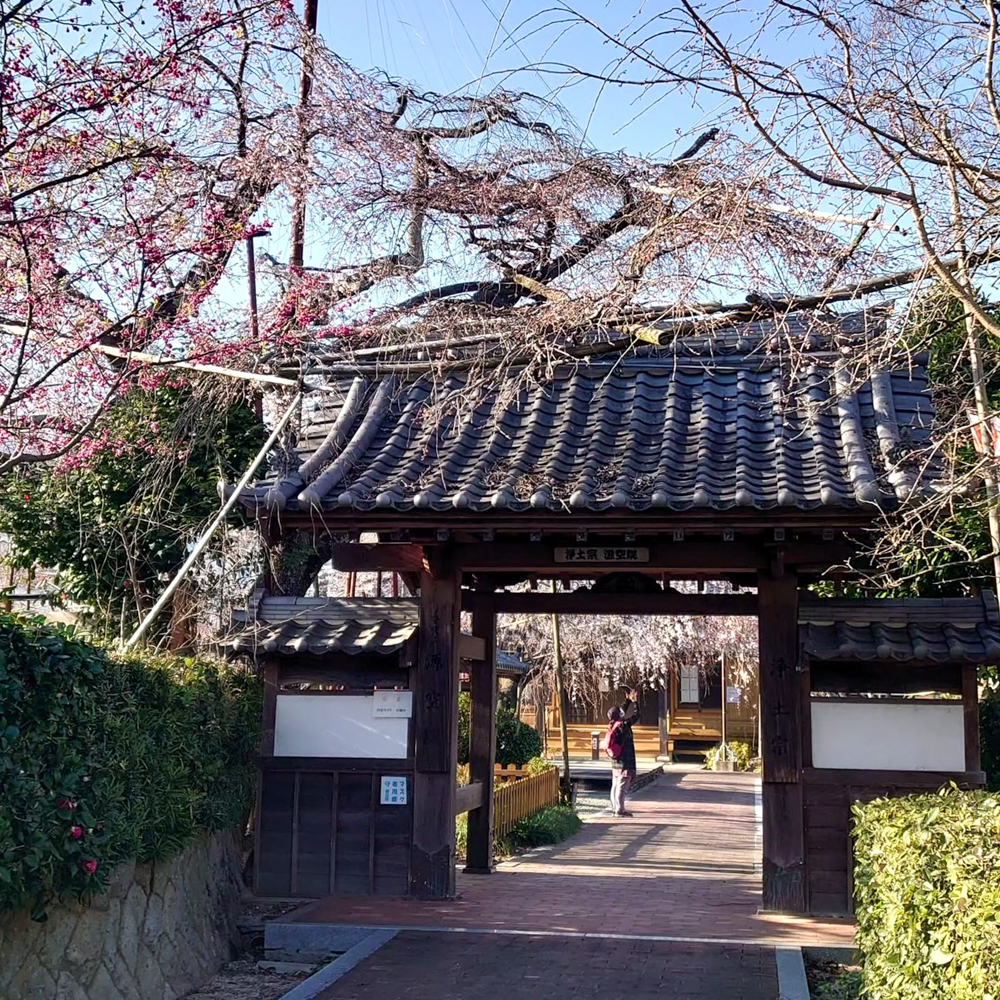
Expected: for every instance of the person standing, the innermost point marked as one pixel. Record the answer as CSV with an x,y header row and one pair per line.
x,y
620,746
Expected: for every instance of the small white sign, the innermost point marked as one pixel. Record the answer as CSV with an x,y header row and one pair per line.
x,y
602,554
393,791
733,695
392,705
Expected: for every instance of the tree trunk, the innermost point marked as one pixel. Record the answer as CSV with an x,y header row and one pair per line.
x,y
294,561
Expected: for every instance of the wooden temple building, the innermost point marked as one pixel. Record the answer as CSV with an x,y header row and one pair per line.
x,y
682,717
742,462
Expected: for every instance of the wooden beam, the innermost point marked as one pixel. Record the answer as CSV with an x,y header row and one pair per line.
x,y
781,701
482,739
540,557
855,778
364,557
468,797
582,602
435,726
698,557
471,647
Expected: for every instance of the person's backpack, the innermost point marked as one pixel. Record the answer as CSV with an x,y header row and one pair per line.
x,y
614,742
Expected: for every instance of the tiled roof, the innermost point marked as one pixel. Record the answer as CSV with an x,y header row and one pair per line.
x,y
320,625
664,431
957,630
511,664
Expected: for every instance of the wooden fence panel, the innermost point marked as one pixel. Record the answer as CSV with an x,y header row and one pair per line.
x,y
517,799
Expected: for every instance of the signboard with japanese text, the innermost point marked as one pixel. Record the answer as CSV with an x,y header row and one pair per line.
x,y
601,554
393,791
392,705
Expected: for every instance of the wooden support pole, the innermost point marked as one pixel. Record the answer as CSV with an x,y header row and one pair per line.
x,y
557,662
482,742
435,724
780,695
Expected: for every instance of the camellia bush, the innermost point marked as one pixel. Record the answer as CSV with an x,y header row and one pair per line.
x,y
104,761
516,742
927,896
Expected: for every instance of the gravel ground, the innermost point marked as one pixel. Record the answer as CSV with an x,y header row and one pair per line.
x,y
242,980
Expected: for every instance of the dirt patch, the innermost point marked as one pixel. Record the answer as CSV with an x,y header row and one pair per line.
x,y
242,980
833,980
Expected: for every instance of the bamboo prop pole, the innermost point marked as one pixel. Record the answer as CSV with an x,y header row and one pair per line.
x,y
17,328
199,547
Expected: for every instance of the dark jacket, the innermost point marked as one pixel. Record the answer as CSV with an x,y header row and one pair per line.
x,y
627,759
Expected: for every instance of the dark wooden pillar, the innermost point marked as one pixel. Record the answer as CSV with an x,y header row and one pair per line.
x,y
970,701
432,862
482,741
781,725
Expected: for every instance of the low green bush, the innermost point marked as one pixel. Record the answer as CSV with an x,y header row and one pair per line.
x,y
103,761
547,826
741,755
538,765
927,889
844,987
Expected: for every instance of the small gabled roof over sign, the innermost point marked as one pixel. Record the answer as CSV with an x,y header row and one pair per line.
x,y
746,428
920,630
322,625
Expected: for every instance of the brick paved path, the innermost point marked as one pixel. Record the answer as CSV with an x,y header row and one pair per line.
x,y
682,866
419,965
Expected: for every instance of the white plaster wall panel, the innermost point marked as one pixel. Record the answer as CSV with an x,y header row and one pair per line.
x,y
335,726
888,736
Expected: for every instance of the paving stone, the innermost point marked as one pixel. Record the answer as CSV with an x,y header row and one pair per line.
x,y
418,965
685,865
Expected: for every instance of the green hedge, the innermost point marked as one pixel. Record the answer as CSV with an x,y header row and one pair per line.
x,y
927,888
103,761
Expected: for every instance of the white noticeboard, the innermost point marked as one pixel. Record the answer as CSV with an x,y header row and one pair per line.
x,y
335,726
392,705
888,736
393,791
733,695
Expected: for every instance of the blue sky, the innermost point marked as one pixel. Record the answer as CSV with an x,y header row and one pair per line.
x,y
446,45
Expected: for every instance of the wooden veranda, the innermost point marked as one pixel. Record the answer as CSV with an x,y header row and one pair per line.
x,y
616,478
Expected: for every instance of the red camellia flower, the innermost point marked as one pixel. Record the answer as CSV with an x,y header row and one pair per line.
x,y
76,832
66,804
89,866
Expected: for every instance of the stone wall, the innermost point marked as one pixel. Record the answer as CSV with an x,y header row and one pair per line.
x,y
157,933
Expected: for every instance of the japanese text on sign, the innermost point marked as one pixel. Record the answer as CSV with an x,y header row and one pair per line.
x,y
393,791
601,554
392,705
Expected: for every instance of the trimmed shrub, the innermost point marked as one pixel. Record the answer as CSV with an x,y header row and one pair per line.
x,y
927,889
516,742
103,761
